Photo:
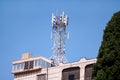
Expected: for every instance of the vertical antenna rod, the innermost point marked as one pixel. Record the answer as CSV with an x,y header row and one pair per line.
x,y
59,36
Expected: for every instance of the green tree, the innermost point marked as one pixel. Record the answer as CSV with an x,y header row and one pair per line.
x,y
107,66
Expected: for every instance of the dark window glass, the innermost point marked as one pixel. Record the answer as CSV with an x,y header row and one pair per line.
x,y
88,72
28,65
41,77
72,73
71,77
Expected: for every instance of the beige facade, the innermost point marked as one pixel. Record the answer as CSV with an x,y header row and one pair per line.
x,y
39,68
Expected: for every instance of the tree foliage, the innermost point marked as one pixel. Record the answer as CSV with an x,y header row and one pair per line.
x,y
107,66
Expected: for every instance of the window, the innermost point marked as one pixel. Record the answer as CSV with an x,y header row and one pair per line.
x,y
72,73
71,77
28,65
22,65
19,66
41,77
41,63
37,63
14,67
88,72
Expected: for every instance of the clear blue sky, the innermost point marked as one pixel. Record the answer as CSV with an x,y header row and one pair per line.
x,y
25,26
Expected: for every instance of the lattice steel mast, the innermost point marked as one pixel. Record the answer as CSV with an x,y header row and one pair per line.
x,y
59,36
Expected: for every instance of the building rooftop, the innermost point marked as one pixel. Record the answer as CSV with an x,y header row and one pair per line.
x,y
29,63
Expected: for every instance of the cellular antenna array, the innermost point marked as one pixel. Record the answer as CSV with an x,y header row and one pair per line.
x,y
59,36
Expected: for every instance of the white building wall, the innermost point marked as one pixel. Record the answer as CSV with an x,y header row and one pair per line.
x,y
55,73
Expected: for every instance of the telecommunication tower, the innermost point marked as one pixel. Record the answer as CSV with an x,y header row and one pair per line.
x,y
59,36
